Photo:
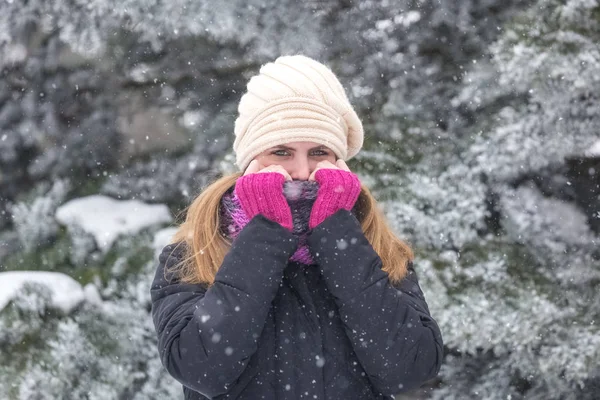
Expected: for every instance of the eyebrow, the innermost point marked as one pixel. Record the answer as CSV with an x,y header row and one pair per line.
x,y
292,149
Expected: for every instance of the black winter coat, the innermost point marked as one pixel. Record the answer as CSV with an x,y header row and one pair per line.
x,y
273,329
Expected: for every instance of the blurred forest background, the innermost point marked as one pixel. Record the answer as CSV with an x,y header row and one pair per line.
x,y
482,121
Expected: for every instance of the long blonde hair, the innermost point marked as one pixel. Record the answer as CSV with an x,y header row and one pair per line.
x,y
206,245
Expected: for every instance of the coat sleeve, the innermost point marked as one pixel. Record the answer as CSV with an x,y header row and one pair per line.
x,y
206,336
393,335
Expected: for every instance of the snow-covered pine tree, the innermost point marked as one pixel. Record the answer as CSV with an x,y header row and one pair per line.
x,y
474,171
512,265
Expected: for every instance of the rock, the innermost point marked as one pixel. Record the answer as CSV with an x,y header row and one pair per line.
x,y
106,218
66,293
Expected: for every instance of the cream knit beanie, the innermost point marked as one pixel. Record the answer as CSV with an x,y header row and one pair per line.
x,y
295,99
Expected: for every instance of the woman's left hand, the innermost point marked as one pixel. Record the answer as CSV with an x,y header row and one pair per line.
x,y
338,188
339,164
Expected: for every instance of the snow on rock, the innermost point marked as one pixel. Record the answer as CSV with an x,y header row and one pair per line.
x,y
92,295
594,150
66,293
106,218
162,238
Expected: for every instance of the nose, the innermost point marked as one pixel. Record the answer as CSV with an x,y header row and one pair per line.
x,y
301,170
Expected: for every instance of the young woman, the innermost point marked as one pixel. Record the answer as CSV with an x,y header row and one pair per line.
x,y
284,281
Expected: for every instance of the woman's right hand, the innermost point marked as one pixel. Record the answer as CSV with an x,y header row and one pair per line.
x,y
260,191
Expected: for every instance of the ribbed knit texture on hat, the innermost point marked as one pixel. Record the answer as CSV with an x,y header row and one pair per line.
x,y
295,99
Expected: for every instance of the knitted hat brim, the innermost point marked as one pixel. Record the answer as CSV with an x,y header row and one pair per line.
x,y
264,143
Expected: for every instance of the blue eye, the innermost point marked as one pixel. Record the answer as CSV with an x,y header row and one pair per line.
x,y
285,153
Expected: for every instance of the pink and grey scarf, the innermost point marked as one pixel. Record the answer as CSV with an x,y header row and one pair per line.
x,y
300,196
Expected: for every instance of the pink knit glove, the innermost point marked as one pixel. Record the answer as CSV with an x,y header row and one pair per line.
x,y
262,193
337,189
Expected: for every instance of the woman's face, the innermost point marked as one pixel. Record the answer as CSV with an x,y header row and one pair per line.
x,y
298,158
